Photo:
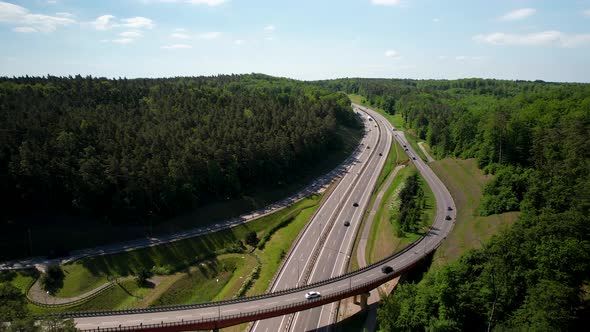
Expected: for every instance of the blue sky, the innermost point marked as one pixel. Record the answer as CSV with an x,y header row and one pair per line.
x,y
507,39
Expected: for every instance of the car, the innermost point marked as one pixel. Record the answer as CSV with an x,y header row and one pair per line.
x,y
355,204
404,145
406,149
450,208
448,217
386,269
375,126
312,295
347,223
368,147
380,154
413,158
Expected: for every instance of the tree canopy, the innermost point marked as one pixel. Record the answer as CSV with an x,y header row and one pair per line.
x,y
534,137
130,149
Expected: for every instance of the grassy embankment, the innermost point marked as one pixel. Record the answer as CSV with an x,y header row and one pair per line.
x,y
465,182
395,157
205,272
383,240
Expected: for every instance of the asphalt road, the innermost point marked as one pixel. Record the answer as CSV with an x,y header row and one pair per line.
x,y
334,206
334,252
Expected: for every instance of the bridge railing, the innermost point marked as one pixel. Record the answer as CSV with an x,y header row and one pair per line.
x,y
252,315
243,299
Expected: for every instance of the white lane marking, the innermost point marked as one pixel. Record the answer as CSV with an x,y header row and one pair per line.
x,y
109,323
184,316
230,310
252,306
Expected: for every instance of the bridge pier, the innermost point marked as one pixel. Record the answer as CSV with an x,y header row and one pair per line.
x,y
361,300
364,298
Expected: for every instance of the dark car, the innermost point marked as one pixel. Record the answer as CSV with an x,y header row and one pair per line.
x,y
414,158
448,218
404,145
386,269
368,147
347,223
380,154
450,208
355,204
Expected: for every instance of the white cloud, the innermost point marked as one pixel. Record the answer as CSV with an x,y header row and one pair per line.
x,y
131,34
65,14
103,22
210,35
269,28
211,3
518,14
239,42
137,22
176,46
442,57
544,38
465,58
436,20
14,14
106,22
386,2
179,35
586,13
180,30
123,40
392,54
24,29
52,2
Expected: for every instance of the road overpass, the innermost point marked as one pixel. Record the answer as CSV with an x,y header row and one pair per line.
x,y
288,298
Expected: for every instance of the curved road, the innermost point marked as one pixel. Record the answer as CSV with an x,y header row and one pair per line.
x,y
334,210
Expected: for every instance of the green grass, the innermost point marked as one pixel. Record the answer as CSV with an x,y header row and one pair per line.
x,y
124,295
243,266
382,241
79,280
465,182
196,284
390,163
181,254
280,242
18,279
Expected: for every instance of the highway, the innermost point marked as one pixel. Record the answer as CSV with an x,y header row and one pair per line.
x,y
334,251
331,260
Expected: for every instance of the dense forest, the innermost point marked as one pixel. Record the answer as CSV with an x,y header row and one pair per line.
x,y
534,137
123,149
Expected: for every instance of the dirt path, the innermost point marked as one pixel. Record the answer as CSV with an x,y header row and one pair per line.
x,y
37,294
428,157
362,246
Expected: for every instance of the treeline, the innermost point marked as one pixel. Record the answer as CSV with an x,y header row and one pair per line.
x,y
127,149
411,204
534,137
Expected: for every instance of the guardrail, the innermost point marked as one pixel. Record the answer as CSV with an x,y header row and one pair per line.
x,y
300,235
243,299
72,303
229,320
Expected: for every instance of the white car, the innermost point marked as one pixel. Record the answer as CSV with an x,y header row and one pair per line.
x,y
312,295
